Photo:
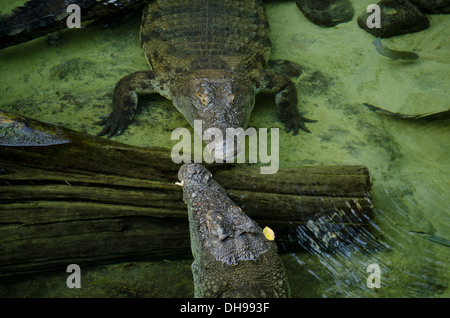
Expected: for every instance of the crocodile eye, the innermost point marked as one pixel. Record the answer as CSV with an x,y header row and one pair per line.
x,y
205,99
231,98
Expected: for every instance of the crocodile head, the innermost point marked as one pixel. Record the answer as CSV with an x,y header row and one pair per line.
x,y
232,257
218,226
221,99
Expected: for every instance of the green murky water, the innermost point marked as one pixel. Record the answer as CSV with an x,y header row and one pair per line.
x,y
70,82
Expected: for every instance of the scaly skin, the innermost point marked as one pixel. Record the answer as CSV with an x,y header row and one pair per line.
x,y
40,17
207,56
232,257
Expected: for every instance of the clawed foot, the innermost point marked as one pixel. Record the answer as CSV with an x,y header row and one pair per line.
x,y
296,122
114,125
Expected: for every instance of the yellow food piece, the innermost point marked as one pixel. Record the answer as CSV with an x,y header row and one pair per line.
x,y
269,234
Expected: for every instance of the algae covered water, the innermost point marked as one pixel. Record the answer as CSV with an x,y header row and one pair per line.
x,y
68,81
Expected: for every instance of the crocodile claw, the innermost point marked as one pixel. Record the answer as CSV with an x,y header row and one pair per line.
x,y
113,125
296,123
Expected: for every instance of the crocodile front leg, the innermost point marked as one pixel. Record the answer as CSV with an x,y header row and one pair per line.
x,y
285,98
125,100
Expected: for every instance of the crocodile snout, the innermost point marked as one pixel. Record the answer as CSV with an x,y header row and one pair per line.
x,y
222,101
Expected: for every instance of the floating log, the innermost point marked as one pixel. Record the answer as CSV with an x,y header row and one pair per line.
x,y
95,201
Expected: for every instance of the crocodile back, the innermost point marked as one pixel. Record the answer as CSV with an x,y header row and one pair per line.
x,y
192,34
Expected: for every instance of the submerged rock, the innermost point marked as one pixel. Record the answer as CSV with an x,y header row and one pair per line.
x,y
397,17
327,12
435,6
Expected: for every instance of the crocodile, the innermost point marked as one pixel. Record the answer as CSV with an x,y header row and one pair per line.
x,y
232,256
208,58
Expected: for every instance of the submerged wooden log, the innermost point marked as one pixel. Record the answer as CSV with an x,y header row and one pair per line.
x,y
95,201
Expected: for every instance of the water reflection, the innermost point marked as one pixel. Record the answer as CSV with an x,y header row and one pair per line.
x,y
338,255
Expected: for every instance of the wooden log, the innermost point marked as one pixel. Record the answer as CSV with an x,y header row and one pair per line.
x,y
95,201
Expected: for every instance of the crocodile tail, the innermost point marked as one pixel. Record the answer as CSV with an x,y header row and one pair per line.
x,y
37,18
